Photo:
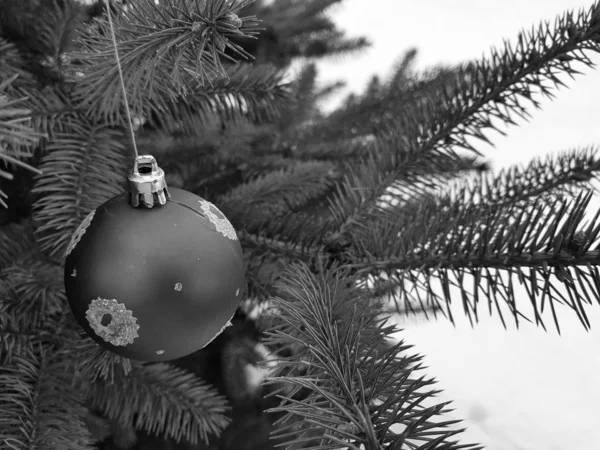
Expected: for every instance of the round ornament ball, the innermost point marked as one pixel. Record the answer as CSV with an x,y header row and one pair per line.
x,y
154,274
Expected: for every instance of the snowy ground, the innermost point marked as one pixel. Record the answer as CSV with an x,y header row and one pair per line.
x,y
520,389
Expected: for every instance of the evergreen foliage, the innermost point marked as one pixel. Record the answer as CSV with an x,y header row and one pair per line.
x,y
386,200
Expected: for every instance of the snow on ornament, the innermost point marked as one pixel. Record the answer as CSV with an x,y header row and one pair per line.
x,y
154,274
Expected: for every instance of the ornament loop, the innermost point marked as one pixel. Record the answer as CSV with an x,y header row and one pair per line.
x,y
147,184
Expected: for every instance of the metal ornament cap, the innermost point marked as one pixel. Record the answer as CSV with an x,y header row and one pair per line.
x,y
147,184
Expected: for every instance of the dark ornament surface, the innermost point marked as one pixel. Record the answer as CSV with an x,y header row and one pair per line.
x,y
155,284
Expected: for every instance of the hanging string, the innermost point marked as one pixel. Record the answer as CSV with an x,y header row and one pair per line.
x,y
127,111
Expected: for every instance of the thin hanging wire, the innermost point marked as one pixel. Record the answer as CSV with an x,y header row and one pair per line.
x,y
127,111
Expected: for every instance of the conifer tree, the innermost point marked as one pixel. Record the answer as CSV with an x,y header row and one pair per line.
x,y
386,200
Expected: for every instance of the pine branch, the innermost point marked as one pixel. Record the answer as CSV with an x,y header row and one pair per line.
x,y
276,194
361,115
481,93
94,362
34,291
38,408
16,134
52,111
49,105
292,18
563,173
329,44
293,236
191,409
56,23
497,88
482,249
302,106
329,89
16,241
12,63
82,168
358,197
249,92
160,46
20,337
360,386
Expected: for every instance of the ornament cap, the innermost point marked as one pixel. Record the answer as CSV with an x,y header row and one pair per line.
x,y
147,184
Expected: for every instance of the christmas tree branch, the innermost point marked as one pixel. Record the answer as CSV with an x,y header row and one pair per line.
x,y
16,241
81,169
160,45
38,286
381,102
563,173
18,336
16,133
481,250
295,19
359,195
302,105
286,237
276,194
444,118
38,408
495,87
191,409
249,92
360,386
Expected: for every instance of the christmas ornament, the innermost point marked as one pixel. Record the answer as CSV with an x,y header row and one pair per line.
x,y
156,273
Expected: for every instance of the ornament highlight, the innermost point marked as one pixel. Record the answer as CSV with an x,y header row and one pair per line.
x,y
156,281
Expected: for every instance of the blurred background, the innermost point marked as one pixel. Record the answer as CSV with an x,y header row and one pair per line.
x,y
523,389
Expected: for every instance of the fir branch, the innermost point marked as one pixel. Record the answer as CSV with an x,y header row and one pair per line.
x,y
16,133
82,169
49,106
55,21
20,336
357,197
160,45
497,87
361,114
563,173
17,241
302,106
332,88
191,409
293,18
38,408
330,44
12,63
293,236
52,111
277,194
482,249
248,92
480,93
37,290
360,385
94,362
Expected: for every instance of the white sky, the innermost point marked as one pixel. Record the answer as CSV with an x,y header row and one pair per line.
x,y
523,389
